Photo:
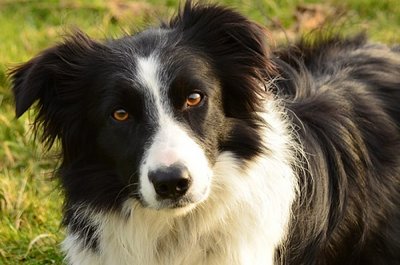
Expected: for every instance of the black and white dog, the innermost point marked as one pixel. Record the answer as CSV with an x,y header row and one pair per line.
x,y
193,143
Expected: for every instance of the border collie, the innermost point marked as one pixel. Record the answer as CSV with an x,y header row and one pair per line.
x,y
194,143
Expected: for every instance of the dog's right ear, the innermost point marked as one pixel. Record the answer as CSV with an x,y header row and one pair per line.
x,y
52,80
238,49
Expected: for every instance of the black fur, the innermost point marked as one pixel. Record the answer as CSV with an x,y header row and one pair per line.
x,y
343,95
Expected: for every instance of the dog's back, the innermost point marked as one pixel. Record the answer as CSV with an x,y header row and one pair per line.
x,y
343,96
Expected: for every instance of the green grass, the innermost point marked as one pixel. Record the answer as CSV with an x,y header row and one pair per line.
x,y
30,202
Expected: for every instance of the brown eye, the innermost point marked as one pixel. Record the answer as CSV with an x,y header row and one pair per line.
x,y
193,99
120,115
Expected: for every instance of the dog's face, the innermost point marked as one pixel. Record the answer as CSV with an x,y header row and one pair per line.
x,y
159,118
146,116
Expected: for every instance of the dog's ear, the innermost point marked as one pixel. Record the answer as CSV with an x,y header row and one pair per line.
x,y
46,75
51,79
237,47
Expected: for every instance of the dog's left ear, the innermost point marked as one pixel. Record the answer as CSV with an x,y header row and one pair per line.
x,y
237,48
52,80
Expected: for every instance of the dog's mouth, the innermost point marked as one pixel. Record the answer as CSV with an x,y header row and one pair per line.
x,y
176,203
182,204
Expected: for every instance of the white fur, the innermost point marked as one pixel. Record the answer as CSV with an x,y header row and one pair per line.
x,y
78,255
243,220
171,144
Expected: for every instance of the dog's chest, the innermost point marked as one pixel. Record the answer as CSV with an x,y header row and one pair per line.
x,y
167,242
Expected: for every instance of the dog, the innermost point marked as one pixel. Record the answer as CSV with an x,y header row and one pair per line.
x,y
195,143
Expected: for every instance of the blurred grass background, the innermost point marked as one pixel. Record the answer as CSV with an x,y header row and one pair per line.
x,y
30,202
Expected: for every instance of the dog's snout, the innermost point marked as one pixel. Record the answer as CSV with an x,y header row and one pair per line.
x,y
171,182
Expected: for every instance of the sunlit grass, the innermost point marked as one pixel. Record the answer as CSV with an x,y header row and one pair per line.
x,y
30,201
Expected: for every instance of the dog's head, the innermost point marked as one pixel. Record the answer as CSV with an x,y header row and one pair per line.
x,y
146,116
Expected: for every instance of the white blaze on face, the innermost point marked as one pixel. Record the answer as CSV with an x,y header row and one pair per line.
x,y
171,143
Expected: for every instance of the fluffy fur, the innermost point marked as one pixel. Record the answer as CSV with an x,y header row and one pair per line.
x,y
293,155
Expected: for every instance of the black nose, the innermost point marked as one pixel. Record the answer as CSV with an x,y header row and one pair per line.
x,y
171,182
